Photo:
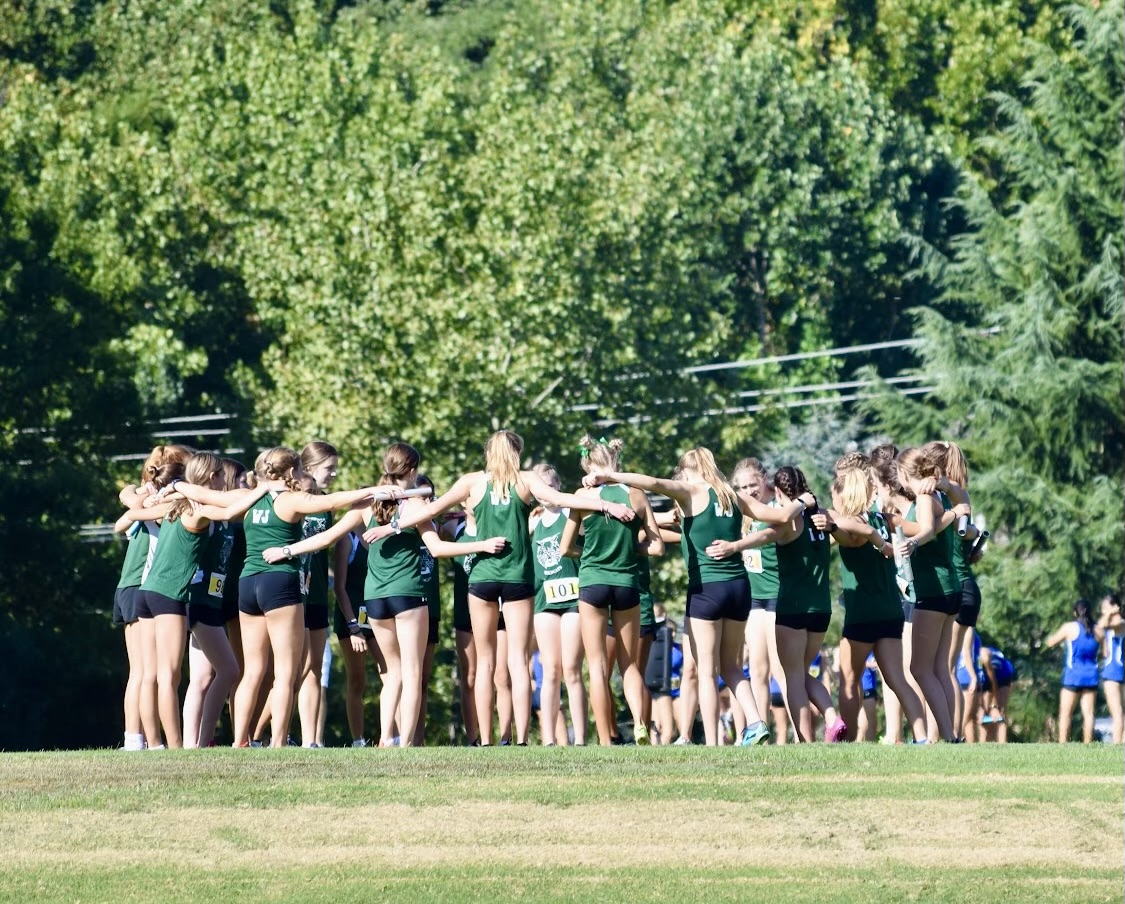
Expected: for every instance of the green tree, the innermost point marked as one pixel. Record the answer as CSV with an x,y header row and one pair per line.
x,y
1030,381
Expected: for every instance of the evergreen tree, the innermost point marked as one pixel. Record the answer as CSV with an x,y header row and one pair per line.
x,y
1024,347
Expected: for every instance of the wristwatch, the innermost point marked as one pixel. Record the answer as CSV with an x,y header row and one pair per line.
x,y
287,552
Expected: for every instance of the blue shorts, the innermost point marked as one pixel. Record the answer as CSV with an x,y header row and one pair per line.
x,y
720,599
268,590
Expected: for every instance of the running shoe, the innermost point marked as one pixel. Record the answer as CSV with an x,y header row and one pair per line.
x,y
986,719
755,734
640,736
359,742
681,741
835,732
917,741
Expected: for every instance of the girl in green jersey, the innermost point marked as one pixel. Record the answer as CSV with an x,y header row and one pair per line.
x,y
804,603
718,603
873,618
319,460
142,542
950,463
185,534
558,631
930,549
270,611
609,579
752,484
498,501
395,594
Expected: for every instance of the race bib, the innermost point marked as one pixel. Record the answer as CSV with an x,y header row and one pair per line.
x,y
215,585
752,558
560,590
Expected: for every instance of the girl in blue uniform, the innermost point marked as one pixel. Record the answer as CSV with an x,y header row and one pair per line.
x,y
995,673
971,680
1080,670
1113,672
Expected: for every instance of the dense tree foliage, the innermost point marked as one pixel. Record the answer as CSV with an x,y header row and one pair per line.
x,y
365,221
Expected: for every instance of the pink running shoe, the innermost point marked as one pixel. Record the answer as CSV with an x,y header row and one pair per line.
x,y
836,731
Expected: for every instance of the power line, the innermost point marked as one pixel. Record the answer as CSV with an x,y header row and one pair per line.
x,y
802,356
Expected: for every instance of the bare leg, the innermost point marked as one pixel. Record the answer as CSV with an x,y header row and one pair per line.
x,y
791,646
759,628
412,628
853,658
171,632
548,636
200,677
502,681
1086,704
956,641
705,636
1112,691
627,627
1067,699
929,665
889,655
484,617
731,638
308,694
286,628
594,622
132,702
689,687
149,710
424,701
517,619
467,674
572,655
255,647
391,692
224,667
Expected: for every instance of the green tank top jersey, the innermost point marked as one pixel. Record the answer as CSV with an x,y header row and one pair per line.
x,y
556,576
431,583
394,566
234,563
648,601
495,517
136,554
209,583
932,562
265,528
802,572
609,555
699,532
314,565
960,550
761,565
870,588
176,561
462,568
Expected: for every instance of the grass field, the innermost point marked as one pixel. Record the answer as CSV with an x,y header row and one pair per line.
x,y
858,823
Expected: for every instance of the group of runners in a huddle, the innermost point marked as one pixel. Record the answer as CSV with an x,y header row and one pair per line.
x,y
245,563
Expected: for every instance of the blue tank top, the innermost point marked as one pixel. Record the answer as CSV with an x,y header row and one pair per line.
x,y
963,667
1113,669
1081,667
1002,667
869,680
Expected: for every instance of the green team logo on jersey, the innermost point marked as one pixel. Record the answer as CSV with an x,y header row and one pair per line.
x,y
261,516
548,552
